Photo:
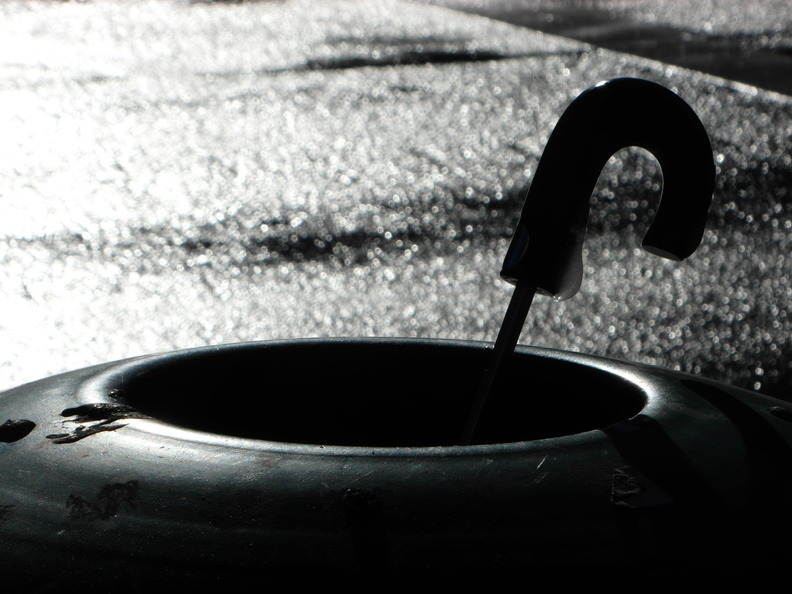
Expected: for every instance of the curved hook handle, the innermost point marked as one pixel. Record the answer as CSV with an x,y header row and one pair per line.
x,y
546,250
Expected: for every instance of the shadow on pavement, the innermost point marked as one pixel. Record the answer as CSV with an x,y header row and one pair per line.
x,y
761,59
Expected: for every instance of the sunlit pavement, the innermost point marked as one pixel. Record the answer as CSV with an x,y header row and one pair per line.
x,y
176,175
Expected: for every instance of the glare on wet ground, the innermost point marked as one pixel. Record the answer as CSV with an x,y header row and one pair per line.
x,y
176,175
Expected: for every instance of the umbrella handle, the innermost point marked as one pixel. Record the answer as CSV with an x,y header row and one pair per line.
x,y
546,249
546,252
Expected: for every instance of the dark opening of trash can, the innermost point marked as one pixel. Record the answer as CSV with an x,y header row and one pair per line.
x,y
373,393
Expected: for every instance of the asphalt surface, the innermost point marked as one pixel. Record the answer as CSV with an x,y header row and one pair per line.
x,y
176,175
743,40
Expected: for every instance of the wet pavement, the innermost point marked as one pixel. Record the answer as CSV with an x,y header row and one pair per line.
x,y
176,175
748,41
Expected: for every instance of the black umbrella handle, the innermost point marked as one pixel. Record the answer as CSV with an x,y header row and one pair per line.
x,y
546,252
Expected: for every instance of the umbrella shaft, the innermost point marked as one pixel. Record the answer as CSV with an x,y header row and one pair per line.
x,y
509,333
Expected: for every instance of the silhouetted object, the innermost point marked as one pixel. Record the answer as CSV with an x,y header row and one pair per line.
x,y
224,462
546,252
